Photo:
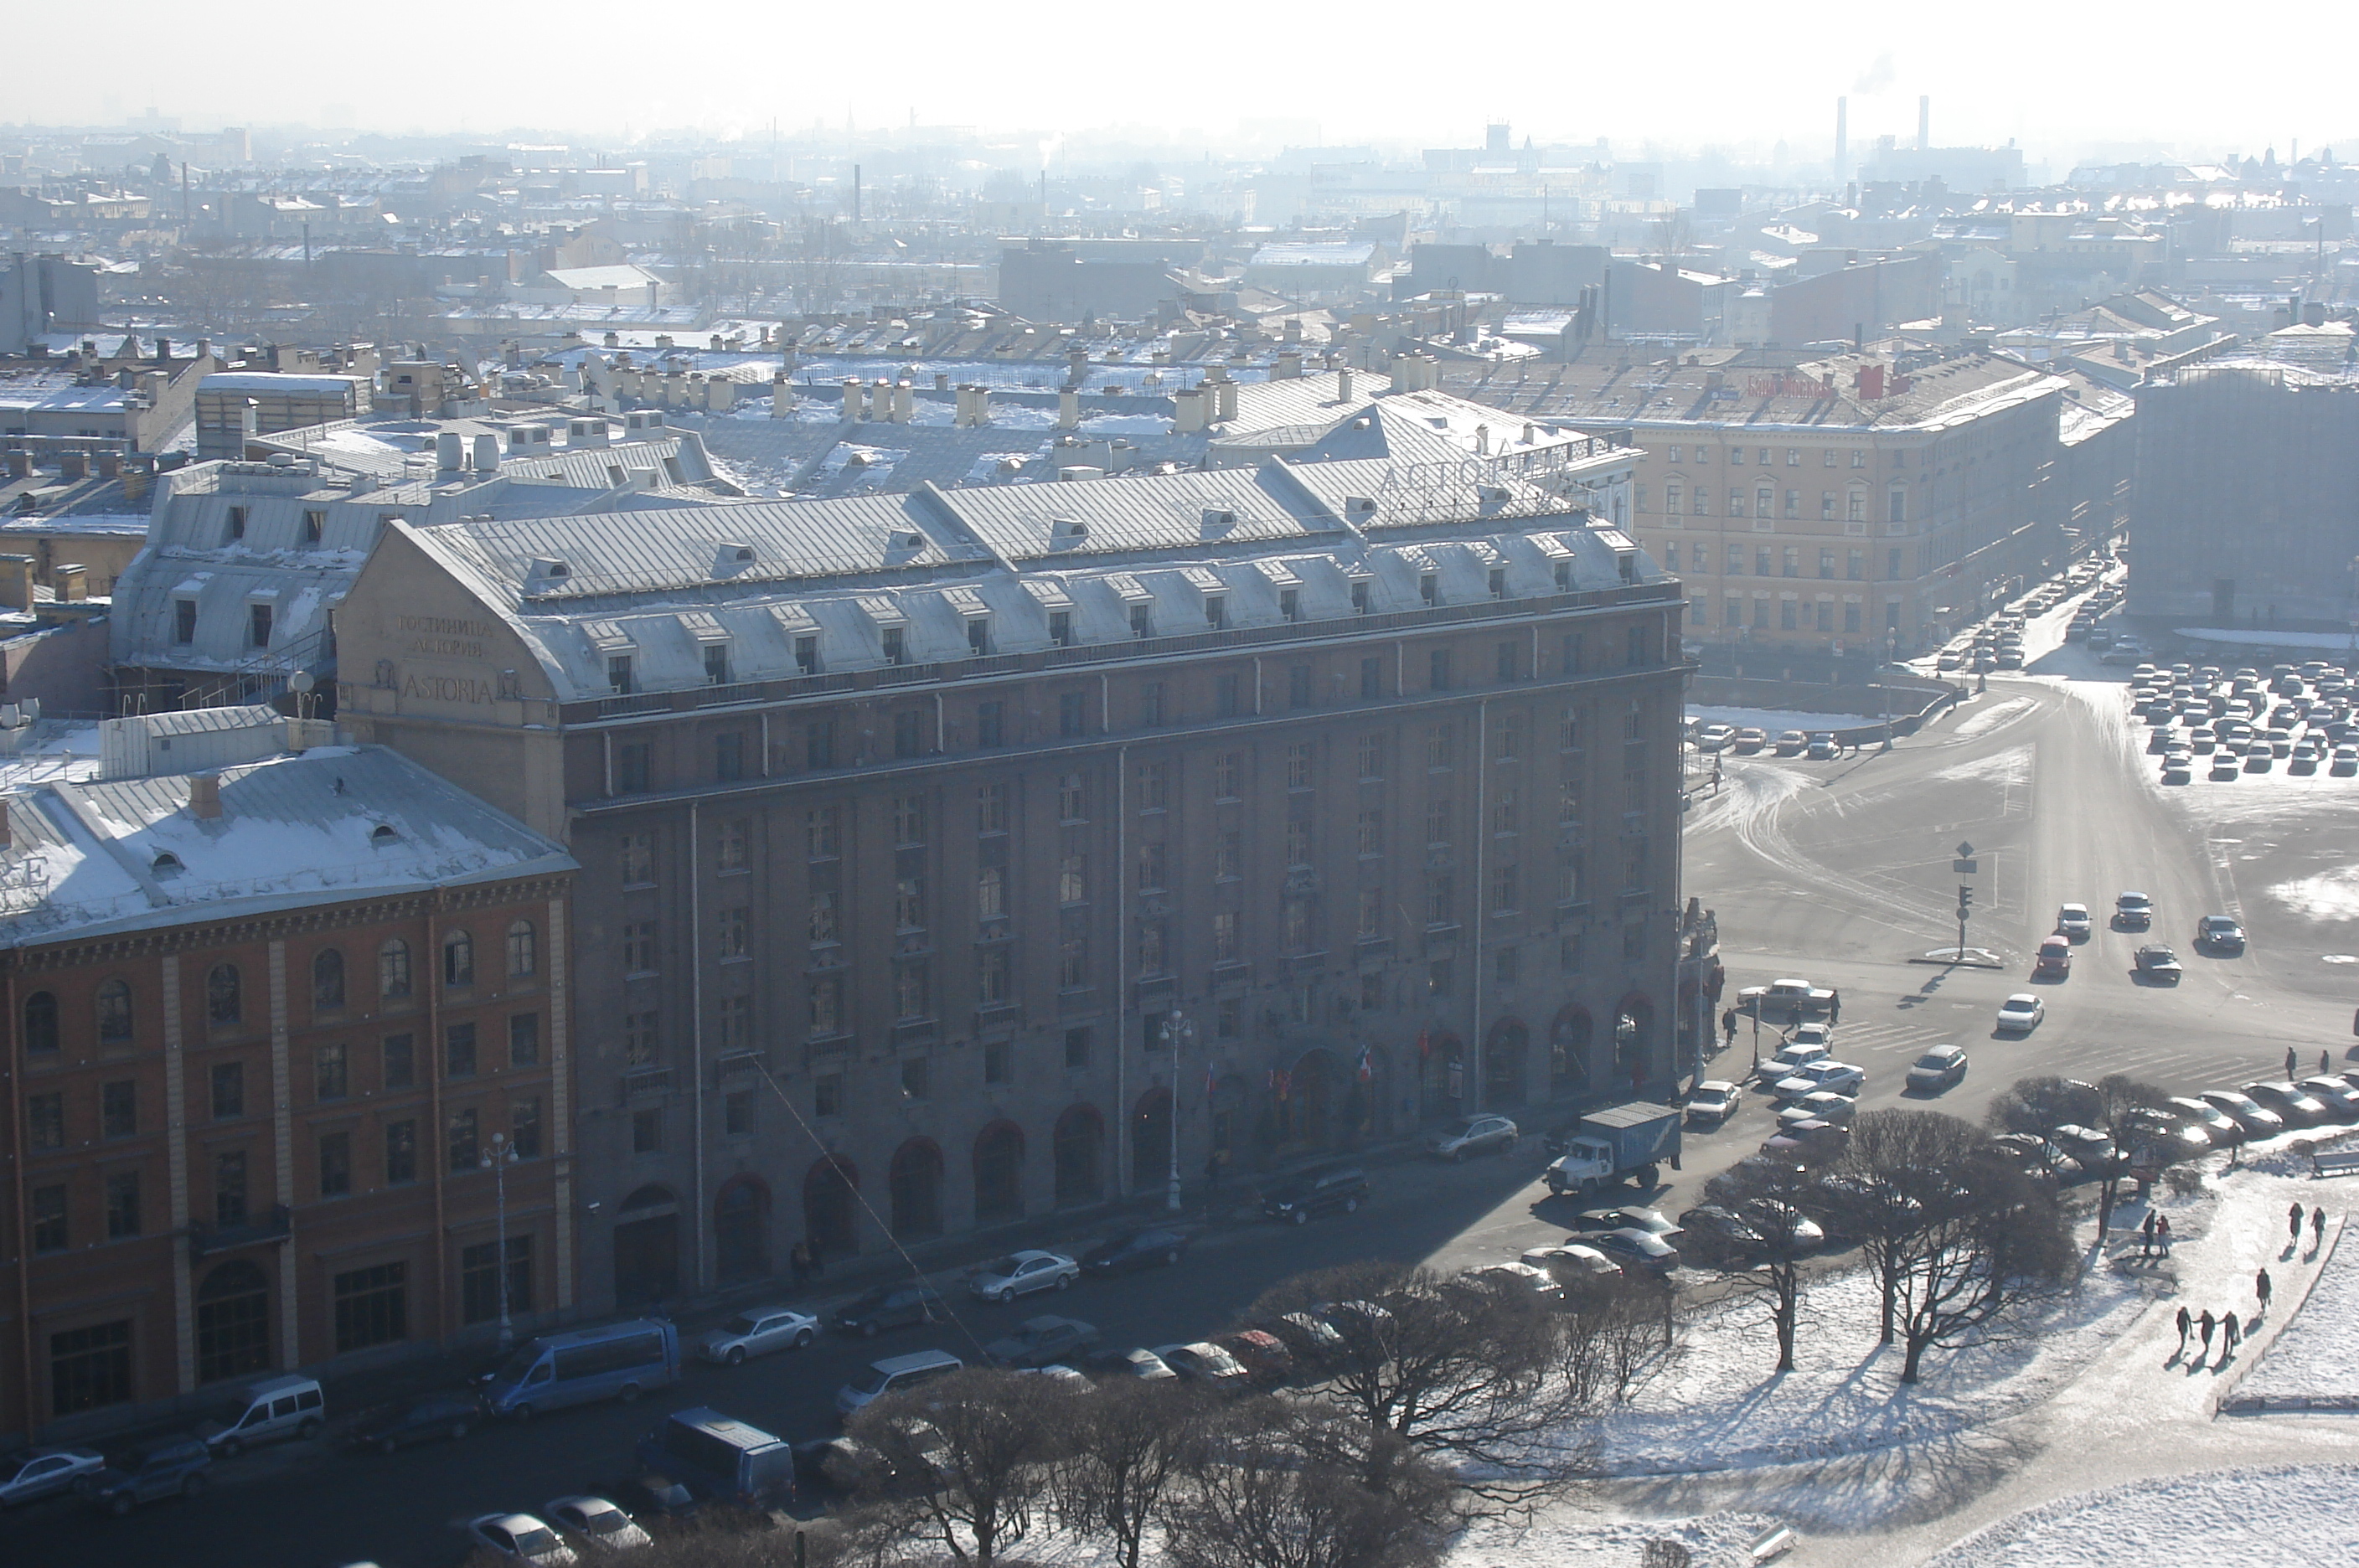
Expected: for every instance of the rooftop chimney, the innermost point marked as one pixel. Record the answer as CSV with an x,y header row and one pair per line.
x,y
450,451
204,797
487,453
1069,410
1344,386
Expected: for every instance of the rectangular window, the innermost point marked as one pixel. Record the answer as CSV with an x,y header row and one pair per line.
x,y
730,939
122,1204
1217,610
636,858
1228,855
998,1063
990,893
1791,562
1150,705
716,664
827,1005
1154,787
908,821
1154,865
736,1023
806,655
1372,756
909,903
1507,965
1826,563
1071,714
633,761
647,1131
259,623
229,1187
1142,620
1152,958
1506,813
917,1078
1440,900
728,758
479,1279
1073,964
524,1039
372,1306
459,1050
978,635
1372,914
49,1230
1224,776
184,620
912,998
827,1094
1437,821
1567,732
1509,659
1438,977
1505,888
819,744
89,1368
1297,765
1289,603
1297,844
1372,679
1298,686
991,808
896,645
992,978
1826,506
228,1089
1441,747
1072,880
1855,566
738,1114
1851,617
1225,701
642,1039
1438,669
1892,566
1077,1048
988,732
118,1109
401,1152
734,837
639,947
465,1144
1370,839
1060,628
1761,561
1073,798
400,1063
618,674
1226,947
335,1164
45,1122
524,1127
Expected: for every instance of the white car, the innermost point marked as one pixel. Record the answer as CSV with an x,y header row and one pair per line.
x,y
1713,1102
46,1472
1714,737
520,1538
1818,1104
597,1524
1818,1034
1574,1261
757,1330
2021,1013
1021,1273
1790,1060
1840,1077
2073,921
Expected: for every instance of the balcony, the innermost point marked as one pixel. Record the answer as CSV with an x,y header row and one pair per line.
x,y
1231,973
646,1082
1373,948
275,1223
1306,966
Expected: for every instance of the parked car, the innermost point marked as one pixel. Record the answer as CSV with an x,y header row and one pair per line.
x,y
1263,1356
596,1523
891,1376
1791,742
1782,1223
1637,1251
1711,1103
2021,1013
2218,1126
1039,1341
1574,1264
1710,1231
1473,1135
1529,1278
1750,740
1823,746
1788,1061
1811,1142
1654,1222
2163,1137
758,1330
2035,1156
29,1476
449,1415
2133,911
2072,922
1135,1249
1206,1363
172,1468
2218,934
2157,963
2337,1095
1141,1363
651,1494
1818,1104
1940,1067
1020,1274
1714,737
2091,1149
2257,1119
1312,1341
891,1306
2300,1110
1337,1188
1816,1032
520,1538
270,1410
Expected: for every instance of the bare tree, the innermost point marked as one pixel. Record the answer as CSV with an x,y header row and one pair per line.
x,y
1447,1365
1769,1199
1989,1238
2035,1105
1876,1191
1271,1487
987,1437
1124,1445
1614,1331
2120,1097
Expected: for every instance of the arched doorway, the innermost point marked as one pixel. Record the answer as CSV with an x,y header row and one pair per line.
x,y
1633,1031
647,1247
1150,1141
1569,1038
233,1322
1441,1075
998,1173
1502,1064
1080,1149
741,1229
827,1188
916,1182
1309,1112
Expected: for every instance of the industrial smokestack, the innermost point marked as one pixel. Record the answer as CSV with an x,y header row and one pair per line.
x,y
1843,136
1924,123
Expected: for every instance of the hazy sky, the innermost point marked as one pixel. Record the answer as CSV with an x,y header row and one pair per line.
x,y
2060,79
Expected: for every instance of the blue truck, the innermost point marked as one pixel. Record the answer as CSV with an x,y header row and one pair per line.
x,y
1612,1146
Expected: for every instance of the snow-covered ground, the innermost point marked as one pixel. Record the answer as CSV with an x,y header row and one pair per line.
x,y
1776,720
2259,1517
2312,1354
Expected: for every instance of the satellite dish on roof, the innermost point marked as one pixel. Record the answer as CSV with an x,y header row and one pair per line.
x,y
300,682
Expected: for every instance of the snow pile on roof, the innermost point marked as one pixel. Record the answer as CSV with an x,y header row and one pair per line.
x,y
2290,1514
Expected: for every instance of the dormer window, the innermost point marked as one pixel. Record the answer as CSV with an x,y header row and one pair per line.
x,y
1428,587
978,635
1216,611
1498,583
1142,620
618,674
184,620
166,863
1565,577
1289,603
716,664
1360,597
315,524
383,834
806,655
259,619
1060,628
236,523
896,645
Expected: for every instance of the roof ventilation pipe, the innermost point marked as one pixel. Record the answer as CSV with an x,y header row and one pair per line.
x,y
450,451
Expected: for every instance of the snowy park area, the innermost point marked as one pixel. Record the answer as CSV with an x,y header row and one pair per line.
x,y
2312,1358
2260,1517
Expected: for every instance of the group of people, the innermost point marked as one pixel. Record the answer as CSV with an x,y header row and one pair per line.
x,y
2154,1236
2227,1325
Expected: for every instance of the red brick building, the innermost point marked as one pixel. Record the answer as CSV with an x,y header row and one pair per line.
x,y
263,1027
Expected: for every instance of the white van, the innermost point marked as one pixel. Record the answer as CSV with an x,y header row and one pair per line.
x,y
268,1411
893,1373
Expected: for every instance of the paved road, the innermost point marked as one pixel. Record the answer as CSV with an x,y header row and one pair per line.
x,y
1841,871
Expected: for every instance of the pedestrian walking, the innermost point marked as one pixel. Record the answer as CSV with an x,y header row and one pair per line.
x,y
2204,1327
1728,1026
2291,1062
2317,1226
2261,1288
2146,1235
2293,1225
799,1260
1834,1008
2325,1066
2185,1322
2229,1335
2163,1233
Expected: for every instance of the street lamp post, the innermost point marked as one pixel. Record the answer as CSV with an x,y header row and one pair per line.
x,y
496,1160
1176,1030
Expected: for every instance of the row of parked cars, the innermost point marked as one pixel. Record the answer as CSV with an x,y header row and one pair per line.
x,y
2301,715
1749,741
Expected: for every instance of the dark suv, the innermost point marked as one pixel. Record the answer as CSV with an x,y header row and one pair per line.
x,y
174,1467
891,1307
1343,1187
